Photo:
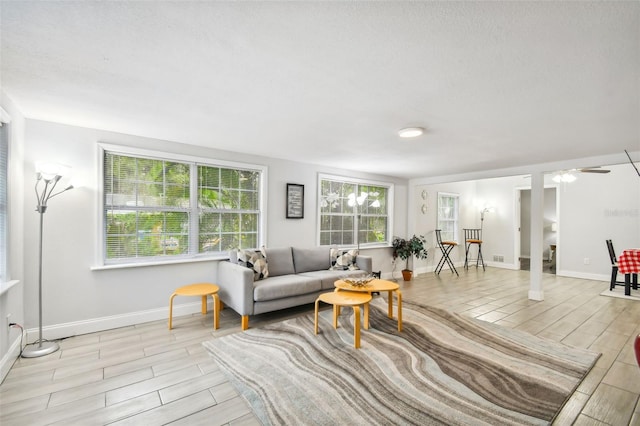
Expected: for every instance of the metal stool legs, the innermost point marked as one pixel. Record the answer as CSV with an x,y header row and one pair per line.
x,y
473,236
479,259
446,249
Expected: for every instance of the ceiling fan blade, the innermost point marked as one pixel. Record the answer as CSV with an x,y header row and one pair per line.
x,y
594,170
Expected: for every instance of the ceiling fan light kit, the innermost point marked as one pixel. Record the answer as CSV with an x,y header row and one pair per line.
x,y
564,177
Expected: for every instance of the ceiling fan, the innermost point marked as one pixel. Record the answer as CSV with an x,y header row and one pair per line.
x,y
591,170
567,175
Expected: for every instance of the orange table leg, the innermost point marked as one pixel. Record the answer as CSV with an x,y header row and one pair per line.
x,y
390,297
356,328
315,318
216,311
171,310
204,304
399,296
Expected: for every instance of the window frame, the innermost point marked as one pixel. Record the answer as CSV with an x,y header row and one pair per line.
x,y
359,182
194,162
5,194
455,220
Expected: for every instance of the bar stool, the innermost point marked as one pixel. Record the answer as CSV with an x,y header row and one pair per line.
x,y
473,236
445,247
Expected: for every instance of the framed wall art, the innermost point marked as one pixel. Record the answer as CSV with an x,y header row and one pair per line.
x,y
295,201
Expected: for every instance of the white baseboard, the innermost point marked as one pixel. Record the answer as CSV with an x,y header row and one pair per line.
x,y
93,325
9,358
583,275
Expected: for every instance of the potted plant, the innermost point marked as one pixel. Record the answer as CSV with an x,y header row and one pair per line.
x,y
406,249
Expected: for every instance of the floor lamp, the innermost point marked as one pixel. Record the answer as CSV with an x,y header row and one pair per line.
x,y
47,177
485,210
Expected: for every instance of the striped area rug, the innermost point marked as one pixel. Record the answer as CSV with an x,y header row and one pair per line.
x,y
443,368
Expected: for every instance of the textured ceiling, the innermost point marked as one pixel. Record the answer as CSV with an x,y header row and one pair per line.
x,y
496,84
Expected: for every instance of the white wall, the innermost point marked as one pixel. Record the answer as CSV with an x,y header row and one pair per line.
x,y
78,299
426,223
594,208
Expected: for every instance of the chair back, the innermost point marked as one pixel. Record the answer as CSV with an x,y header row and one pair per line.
x,y
439,237
472,234
612,253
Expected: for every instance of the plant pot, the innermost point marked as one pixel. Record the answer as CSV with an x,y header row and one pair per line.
x,y
406,274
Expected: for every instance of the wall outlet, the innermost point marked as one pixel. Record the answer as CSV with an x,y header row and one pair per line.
x,y
587,260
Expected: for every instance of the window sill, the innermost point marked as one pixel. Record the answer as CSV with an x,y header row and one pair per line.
x,y
157,263
6,286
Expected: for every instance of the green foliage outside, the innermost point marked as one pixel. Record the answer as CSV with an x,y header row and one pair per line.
x,y
148,207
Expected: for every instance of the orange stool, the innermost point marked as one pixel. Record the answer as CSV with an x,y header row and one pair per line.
x,y
346,298
203,290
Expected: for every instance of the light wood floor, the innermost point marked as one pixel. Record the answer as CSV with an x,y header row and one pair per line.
x,y
148,375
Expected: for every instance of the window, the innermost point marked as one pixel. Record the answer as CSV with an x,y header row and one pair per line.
x,y
448,216
4,176
168,208
354,212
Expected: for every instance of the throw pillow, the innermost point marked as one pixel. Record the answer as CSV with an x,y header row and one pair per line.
x,y
343,260
256,261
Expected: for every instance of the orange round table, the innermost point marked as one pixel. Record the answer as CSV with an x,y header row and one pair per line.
x,y
203,290
377,285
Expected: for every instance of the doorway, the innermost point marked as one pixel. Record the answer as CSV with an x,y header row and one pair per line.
x,y
549,231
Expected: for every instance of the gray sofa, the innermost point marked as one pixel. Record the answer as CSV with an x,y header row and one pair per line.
x,y
296,276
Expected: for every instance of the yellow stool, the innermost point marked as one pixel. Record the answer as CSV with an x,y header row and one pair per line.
x,y
346,298
203,290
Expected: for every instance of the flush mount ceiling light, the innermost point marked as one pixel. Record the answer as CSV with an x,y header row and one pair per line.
x,y
410,132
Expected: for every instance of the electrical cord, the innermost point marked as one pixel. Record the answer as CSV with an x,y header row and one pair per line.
x,y
13,324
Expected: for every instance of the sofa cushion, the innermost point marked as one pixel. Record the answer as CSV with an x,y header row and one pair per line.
x,y
284,286
280,261
343,260
254,260
329,277
311,259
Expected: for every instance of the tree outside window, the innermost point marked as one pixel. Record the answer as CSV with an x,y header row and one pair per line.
x,y
160,208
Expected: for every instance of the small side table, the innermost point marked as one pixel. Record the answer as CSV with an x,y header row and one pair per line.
x,y
346,298
377,285
203,290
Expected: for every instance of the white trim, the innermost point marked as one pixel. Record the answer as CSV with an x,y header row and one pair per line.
x,y
6,286
4,117
158,263
583,275
9,358
59,331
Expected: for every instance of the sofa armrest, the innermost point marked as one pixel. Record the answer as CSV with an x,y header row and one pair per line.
x,y
236,287
365,263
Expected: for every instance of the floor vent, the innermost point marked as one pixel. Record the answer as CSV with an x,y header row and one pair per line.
x,y
498,258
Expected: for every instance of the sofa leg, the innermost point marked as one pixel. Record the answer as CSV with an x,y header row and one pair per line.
x,y
245,322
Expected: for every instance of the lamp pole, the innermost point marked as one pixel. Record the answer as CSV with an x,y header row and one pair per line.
x,y
485,210
42,347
